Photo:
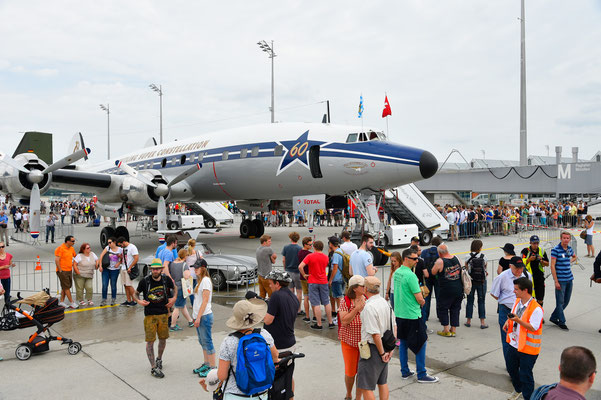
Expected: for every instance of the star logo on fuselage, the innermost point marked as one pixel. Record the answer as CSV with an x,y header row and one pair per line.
x,y
296,151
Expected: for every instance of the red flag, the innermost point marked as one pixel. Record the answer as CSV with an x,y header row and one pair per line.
x,y
387,110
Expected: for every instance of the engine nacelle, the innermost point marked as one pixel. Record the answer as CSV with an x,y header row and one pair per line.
x,y
135,192
16,183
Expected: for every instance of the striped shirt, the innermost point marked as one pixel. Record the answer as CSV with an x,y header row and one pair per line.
x,y
562,263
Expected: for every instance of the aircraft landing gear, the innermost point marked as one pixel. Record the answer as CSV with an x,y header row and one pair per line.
x,y
251,228
106,233
122,231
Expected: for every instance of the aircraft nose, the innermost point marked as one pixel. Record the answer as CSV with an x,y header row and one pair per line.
x,y
428,164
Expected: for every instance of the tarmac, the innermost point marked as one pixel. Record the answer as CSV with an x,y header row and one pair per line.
x,y
113,362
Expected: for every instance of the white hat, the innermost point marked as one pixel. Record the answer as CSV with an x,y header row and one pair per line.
x,y
356,280
212,380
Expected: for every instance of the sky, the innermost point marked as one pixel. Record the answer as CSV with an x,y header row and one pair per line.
x,y
450,70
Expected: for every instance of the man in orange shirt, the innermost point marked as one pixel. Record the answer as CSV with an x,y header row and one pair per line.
x,y
63,258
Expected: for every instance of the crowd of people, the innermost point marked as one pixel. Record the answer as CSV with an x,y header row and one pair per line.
x,y
475,221
373,318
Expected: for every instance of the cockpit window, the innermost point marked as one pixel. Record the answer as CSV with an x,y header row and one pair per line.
x,y
362,137
352,138
373,136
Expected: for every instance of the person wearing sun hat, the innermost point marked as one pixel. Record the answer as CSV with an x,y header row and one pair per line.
x,y
246,316
159,295
509,250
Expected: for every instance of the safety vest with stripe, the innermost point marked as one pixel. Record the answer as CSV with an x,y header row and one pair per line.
x,y
540,263
528,342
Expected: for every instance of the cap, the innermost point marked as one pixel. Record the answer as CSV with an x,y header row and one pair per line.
x,y
201,263
372,284
509,249
156,263
356,280
517,262
279,276
335,240
415,239
534,238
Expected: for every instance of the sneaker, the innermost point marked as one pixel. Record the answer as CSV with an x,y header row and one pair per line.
x,y
202,368
204,373
443,333
301,312
514,395
73,305
484,326
563,326
467,324
113,301
191,324
430,331
82,303
411,373
556,322
133,303
103,303
157,373
124,304
306,320
427,379
332,325
159,363
63,304
90,303
316,327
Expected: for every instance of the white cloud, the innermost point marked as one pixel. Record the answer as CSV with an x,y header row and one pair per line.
x,y
451,69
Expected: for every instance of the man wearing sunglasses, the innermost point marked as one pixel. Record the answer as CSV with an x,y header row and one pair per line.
x,y
411,329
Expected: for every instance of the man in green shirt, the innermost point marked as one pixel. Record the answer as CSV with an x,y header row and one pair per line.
x,y
411,329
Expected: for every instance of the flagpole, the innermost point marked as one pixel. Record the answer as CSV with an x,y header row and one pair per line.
x,y
387,131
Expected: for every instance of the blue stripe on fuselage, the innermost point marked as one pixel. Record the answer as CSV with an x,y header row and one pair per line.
x,y
374,150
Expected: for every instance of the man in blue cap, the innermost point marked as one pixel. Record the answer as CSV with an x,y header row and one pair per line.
x,y
535,259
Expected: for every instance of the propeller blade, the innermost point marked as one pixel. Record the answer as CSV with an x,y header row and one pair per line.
x,y
12,163
193,169
162,215
133,173
70,159
34,211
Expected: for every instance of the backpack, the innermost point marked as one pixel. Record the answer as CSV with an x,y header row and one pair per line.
x,y
346,262
476,266
255,370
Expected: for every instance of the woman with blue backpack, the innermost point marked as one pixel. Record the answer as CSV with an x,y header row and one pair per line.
x,y
249,348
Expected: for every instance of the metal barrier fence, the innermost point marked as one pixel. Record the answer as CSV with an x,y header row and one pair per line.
x,y
479,229
60,231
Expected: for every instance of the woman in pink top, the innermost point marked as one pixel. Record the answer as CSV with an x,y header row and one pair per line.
x,y
6,263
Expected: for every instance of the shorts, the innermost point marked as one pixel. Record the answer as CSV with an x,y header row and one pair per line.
x,y
337,289
204,333
125,278
180,302
290,349
589,240
156,325
350,355
319,294
305,286
373,371
296,282
65,278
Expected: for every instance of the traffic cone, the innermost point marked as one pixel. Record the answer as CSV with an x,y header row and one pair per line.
x,y
38,265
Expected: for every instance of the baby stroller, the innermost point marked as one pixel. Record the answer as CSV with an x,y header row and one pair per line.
x,y
45,312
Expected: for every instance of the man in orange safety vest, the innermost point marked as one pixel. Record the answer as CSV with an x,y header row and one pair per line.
x,y
524,332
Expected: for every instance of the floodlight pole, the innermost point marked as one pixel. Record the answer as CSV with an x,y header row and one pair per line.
x,y
523,130
269,50
159,90
108,129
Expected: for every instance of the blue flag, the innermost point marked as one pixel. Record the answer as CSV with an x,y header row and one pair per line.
x,y
360,107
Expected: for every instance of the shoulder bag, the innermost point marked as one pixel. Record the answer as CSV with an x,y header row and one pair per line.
x,y
187,284
388,339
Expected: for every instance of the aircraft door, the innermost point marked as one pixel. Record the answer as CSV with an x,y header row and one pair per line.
x,y
314,162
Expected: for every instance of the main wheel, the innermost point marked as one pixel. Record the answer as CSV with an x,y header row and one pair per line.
x,y
245,228
210,223
172,225
23,352
122,231
74,348
218,279
106,233
385,241
259,227
425,238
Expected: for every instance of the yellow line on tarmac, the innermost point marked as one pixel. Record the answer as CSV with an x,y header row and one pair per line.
x,y
490,248
89,309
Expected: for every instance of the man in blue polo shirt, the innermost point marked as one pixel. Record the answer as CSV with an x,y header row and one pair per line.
x,y
562,256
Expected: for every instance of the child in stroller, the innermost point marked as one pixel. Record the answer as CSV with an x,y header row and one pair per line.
x,y
45,312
